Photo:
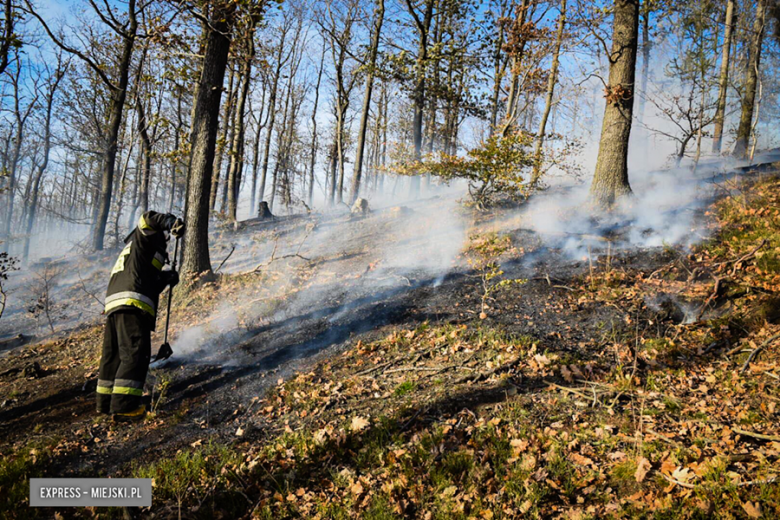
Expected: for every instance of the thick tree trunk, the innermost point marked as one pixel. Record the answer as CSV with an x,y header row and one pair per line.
x,y
610,181
751,83
551,80
205,124
379,16
723,80
116,110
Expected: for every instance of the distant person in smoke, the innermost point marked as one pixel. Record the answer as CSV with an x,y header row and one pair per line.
x,y
134,288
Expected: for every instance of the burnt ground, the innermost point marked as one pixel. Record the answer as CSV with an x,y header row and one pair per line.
x,y
286,315
207,396
210,385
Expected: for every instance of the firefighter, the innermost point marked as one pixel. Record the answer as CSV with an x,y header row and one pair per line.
x,y
134,288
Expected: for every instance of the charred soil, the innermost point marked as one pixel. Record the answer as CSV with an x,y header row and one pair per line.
x,y
623,384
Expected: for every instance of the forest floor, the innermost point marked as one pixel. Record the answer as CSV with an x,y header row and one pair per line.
x,y
354,383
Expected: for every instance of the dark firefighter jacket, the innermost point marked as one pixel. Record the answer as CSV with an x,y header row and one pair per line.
x,y
136,280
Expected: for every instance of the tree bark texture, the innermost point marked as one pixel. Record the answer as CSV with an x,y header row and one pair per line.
x,y
751,83
723,80
418,94
379,16
551,80
204,137
118,95
237,148
610,180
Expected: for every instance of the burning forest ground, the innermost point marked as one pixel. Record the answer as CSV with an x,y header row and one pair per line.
x,y
405,364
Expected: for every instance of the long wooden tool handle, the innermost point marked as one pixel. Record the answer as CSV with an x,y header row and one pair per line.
x,y
170,292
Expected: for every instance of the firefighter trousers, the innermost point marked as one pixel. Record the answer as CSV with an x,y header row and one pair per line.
x,y
127,348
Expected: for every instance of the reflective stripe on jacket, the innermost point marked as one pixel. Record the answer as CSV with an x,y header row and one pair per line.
x,y
135,281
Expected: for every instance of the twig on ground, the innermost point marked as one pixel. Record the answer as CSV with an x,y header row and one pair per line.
x,y
226,259
374,368
675,481
761,482
413,369
761,436
567,389
755,352
739,484
663,438
297,253
742,258
411,420
735,350
92,295
709,300
479,376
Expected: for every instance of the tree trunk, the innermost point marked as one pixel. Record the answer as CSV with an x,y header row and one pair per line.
x,y
272,115
551,80
123,184
499,68
418,94
21,120
256,151
385,107
146,152
514,85
237,155
751,82
222,140
646,46
610,180
314,127
723,80
205,124
280,148
681,152
333,167
379,16
176,146
116,110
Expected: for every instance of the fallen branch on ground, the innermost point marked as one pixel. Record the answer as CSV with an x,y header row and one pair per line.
x,y
742,258
755,352
479,376
761,436
226,259
709,300
292,255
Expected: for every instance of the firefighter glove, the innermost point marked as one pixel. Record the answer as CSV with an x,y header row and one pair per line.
x,y
177,229
170,278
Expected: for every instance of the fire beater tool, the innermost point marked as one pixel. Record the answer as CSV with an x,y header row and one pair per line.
x,y
165,350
